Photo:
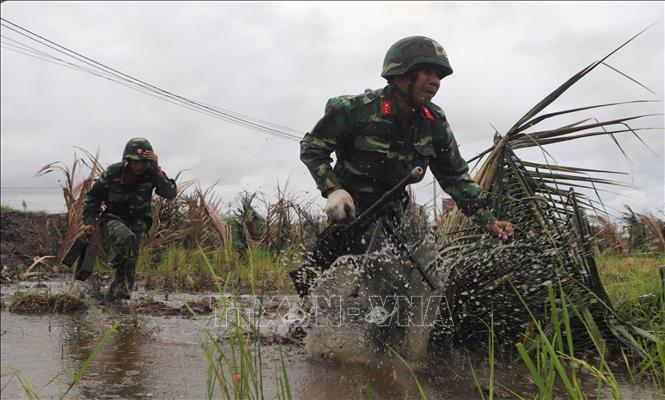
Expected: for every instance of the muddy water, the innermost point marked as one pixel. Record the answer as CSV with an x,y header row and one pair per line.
x,y
160,356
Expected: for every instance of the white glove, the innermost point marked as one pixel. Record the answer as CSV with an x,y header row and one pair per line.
x,y
340,205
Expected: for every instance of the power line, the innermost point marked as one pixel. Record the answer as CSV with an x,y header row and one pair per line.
x,y
137,84
54,60
29,187
78,57
147,90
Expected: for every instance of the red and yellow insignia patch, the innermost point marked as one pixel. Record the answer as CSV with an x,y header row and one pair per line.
x,y
428,113
386,107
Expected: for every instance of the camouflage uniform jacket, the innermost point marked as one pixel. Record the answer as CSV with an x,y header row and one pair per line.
x,y
129,201
374,152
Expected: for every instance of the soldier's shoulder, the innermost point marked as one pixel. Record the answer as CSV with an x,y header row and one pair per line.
x,y
352,102
437,112
114,169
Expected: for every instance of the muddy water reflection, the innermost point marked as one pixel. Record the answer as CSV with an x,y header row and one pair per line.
x,y
160,357
134,363
121,369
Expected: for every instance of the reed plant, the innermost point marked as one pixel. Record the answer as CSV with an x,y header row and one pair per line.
x,y
180,268
232,348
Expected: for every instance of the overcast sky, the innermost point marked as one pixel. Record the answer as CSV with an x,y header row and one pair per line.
x,y
280,62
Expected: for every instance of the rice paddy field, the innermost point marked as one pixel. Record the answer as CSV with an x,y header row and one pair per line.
x,y
182,336
573,308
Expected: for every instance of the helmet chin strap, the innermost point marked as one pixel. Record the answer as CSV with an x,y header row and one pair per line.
x,y
408,95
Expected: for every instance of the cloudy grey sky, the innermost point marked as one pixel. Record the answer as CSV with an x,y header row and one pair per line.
x,y
281,61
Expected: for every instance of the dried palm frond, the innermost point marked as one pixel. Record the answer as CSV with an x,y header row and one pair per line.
x,y
608,234
645,232
169,218
276,232
553,241
657,229
447,205
248,222
288,222
74,193
213,217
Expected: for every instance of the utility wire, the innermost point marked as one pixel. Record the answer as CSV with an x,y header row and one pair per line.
x,y
35,188
57,61
52,59
78,57
124,79
143,89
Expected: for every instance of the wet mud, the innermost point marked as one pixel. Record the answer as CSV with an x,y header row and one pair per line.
x,y
157,353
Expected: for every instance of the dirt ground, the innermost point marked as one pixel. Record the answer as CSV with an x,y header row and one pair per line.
x,y
26,235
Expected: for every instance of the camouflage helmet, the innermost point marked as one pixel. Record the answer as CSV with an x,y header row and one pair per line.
x,y
135,148
411,51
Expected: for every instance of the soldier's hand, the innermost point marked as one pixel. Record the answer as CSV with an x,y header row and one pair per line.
x,y
503,230
88,229
152,159
340,205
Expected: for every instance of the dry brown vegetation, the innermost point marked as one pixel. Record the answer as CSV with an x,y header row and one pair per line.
x,y
194,218
28,242
74,193
632,232
45,302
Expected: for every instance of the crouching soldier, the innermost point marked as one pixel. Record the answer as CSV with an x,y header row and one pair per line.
x,y
125,188
378,137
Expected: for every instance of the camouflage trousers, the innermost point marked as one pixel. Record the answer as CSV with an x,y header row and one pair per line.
x,y
125,244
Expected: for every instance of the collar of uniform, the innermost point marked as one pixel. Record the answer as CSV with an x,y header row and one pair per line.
x,y
389,105
428,113
127,177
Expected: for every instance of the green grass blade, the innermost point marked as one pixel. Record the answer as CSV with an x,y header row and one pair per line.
x,y
11,376
51,381
660,349
79,374
27,388
533,371
285,375
421,391
549,348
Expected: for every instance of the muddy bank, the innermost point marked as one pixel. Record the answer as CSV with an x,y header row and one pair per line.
x,y
26,235
157,350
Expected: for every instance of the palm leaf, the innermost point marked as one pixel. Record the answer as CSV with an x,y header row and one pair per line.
x,y
553,244
554,114
566,85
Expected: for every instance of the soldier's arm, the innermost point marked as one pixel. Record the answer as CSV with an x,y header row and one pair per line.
x,y
93,199
452,173
328,135
164,186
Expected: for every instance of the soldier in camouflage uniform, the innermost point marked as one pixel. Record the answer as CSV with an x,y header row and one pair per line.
x,y
126,190
379,136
